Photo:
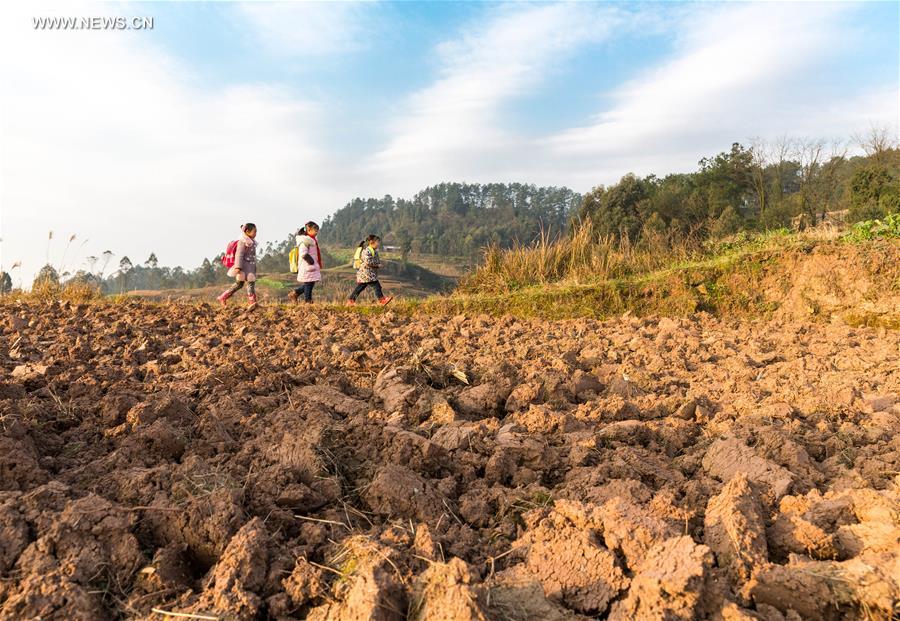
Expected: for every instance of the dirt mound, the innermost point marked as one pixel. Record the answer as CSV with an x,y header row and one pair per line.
x,y
208,462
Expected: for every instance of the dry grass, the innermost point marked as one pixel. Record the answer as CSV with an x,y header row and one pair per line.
x,y
48,290
579,257
582,258
582,276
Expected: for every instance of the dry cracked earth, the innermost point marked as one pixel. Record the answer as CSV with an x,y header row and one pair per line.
x,y
296,464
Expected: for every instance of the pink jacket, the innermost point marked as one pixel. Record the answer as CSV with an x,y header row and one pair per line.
x,y
306,272
244,260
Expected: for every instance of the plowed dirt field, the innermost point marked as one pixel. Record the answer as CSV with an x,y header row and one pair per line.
x,y
297,464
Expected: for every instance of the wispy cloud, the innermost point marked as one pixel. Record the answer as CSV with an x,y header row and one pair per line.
x,y
454,127
739,70
308,29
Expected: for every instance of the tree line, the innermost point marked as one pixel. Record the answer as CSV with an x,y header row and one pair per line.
x,y
457,219
767,185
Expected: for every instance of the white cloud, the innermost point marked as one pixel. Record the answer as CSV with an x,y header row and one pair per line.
x,y
454,128
104,135
739,71
306,29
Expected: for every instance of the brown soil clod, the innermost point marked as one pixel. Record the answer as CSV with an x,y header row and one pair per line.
x,y
734,530
671,583
573,566
445,592
730,456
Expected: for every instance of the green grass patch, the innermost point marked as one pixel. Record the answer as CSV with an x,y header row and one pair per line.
x,y
887,228
271,283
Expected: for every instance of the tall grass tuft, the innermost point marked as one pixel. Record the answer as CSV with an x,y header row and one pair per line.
x,y
579,257
76,292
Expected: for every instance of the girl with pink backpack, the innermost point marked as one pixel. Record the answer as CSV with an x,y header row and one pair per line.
x,y
240,259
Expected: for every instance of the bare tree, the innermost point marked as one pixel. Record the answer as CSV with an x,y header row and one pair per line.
x,y
828,182
809,152
780,155
125,266
759,150
879,143
107,255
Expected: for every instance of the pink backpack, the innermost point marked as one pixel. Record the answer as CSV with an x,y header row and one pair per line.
x,y
230,251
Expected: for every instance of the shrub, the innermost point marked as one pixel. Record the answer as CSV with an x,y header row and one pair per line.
x,y
886,228
47,277
874,193
728,223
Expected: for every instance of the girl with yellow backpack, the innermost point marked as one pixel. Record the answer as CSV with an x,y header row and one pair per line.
x,y
367,262
308,262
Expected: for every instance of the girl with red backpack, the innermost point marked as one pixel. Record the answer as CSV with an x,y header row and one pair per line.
x,y
242,265
309,265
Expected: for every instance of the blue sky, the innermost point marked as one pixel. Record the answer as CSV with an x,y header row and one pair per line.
x,y
165,140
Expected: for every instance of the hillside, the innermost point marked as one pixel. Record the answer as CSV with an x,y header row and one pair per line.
x,y
455,219
793,279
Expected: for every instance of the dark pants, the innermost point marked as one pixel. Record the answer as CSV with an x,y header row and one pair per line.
x,y
305,289
251,287
360,287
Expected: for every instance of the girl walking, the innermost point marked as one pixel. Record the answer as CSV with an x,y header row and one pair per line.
x,y
366,270
244,268
309,270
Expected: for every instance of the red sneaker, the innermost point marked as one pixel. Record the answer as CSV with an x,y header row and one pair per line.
x,y
350,303
385,300
251,299
223,299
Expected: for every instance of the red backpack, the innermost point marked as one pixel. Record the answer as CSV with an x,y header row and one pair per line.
x,y
230,251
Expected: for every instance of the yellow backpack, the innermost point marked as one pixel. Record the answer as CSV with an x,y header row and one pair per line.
x,y
294,259
357,258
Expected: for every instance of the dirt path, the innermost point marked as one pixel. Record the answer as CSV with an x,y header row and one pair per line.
x,y
324,465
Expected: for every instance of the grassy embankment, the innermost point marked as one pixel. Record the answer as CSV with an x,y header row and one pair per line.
x,y
820,274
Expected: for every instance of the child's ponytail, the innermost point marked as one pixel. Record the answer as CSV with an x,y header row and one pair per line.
x,y
304,230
